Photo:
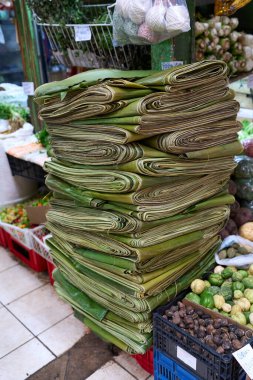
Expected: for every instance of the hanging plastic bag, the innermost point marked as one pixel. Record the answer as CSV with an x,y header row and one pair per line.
x,y
228,7
237,261
144,22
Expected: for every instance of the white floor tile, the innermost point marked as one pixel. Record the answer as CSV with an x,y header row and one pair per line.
x,y
17,281
12,333
7,260
40,309
23,362
111,371
126,361
62,336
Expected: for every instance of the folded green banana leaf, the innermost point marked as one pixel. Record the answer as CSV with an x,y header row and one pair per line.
x,y
120,328
188,76
197,138
121,303
128,265
90,78
101,93
72,295
166,102
148,204
147,283
160,122
109,335
79,298
79,110
111,181
150,196
100,153
147,269
105,243
233,149
177,226
95,133
67,213
173,166
116,285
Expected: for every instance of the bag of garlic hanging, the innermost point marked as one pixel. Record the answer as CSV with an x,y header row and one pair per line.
x,y
142,22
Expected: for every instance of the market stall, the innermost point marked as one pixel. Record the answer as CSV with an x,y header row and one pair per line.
x,y
144,220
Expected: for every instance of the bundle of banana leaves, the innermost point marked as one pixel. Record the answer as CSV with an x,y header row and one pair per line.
x,y
139,174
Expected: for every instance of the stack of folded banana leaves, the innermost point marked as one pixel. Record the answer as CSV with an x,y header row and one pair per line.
x,y
139,171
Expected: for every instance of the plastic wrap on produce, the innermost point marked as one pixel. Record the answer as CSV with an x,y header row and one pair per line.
x,y
142,22
238,261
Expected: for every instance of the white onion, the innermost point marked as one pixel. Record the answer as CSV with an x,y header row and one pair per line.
x,y
177,19
155,17
137,10
122,8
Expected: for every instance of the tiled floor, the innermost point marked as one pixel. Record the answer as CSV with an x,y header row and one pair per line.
x,y
36,327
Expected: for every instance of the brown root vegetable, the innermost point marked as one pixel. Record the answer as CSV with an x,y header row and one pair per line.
x,y
224,233
234,209
243,216
231,227
220,350
236,344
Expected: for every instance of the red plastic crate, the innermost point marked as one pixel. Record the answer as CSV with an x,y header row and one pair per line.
x,y
50,268
3,238
146,361
27,255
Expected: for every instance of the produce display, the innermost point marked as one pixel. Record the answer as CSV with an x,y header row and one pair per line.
x,y
218,333
140,179
227,290
246,137
16,216
217,38
233,251
15,115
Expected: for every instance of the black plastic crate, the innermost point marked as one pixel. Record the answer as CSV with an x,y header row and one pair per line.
x,y
26,169
190,353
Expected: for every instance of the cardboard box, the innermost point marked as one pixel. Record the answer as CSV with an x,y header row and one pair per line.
x,y
37,214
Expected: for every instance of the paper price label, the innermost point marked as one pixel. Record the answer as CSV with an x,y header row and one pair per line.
x,y
244,356
28,88
168,65
250,81
82,33
187,358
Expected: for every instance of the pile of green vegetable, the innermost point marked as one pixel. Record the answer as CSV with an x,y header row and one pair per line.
x,y
228,291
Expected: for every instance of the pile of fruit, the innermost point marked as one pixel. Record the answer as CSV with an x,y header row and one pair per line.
x,y
41,202
15,215
228,291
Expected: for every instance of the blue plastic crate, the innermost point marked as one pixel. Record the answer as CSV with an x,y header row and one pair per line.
x,y
167,369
